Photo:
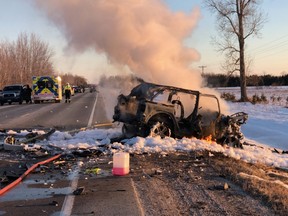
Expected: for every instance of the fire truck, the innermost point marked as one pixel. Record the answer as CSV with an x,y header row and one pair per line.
x,y
46,88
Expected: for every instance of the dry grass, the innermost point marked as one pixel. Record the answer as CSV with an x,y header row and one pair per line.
x,y
270,184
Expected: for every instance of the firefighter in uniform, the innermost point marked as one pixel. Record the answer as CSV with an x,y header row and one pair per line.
x,y
67,90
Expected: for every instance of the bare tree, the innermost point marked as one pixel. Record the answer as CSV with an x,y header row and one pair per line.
x,y
28,56
40,55
73,79
237,20
67,78
7,65
80,81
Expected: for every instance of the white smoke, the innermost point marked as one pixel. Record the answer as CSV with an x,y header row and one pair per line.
x,y
144,35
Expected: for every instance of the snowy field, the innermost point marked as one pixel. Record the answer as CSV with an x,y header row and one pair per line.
x,y
276,95
266,128
268,122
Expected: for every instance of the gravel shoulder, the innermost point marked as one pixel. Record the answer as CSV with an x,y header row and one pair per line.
x,y
195,184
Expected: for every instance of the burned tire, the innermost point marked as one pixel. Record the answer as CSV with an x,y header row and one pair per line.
x,y
235,142
129,131
161,129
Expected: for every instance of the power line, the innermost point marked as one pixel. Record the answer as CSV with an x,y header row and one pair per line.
x,y
270,46
270,42
271,54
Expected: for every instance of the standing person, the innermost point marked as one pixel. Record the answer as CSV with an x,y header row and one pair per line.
x,y
27,94
67,90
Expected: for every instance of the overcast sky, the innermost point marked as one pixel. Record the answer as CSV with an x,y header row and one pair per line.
x,y
269,53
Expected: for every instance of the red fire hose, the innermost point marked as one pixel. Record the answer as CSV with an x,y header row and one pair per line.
x,y
17,181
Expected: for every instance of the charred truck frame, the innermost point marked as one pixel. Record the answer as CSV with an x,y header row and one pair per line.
x,y
152,109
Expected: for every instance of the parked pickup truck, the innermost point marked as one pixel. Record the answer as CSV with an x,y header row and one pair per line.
x,y
12,93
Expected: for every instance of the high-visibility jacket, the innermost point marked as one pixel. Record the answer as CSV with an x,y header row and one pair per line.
x,y
67,87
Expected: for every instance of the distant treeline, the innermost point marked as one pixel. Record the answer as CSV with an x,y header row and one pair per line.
x,y
222,80
29,56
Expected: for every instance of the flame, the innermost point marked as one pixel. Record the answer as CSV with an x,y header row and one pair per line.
x,y
208,139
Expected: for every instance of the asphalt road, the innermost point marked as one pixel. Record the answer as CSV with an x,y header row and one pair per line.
x,y
85,110
51,192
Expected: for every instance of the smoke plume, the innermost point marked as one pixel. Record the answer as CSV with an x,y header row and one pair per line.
x,y
144,35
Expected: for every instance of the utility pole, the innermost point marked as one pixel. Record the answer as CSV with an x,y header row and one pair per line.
x,y
202,67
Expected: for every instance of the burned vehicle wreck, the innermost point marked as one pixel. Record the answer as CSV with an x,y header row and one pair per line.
x,y
153,109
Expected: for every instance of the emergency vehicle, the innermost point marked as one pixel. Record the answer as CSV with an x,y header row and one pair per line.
x,y
46,88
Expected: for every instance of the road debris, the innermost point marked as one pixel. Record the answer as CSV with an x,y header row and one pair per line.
x,y
10,143
31,169
34,137
95,171
54,203
79,191
10,140
225,186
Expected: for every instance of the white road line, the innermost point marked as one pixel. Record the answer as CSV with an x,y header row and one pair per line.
x,y
92,113
69,199
137,198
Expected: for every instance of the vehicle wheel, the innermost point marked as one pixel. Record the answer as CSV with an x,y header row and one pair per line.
x,y
233,142
2,103
161,129
128,131
20,102
9,103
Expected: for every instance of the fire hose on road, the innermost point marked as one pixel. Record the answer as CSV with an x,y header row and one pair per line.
x,y
17,181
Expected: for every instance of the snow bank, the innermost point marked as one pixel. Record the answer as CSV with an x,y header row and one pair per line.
x,y
94,138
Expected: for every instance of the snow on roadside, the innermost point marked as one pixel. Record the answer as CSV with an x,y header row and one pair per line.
x,y
251,154
267,124
83,139
22,132
96,137
261,111
258,153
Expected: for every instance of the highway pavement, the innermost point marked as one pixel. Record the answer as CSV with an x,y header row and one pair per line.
x,y
86,109
50,189
55,191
